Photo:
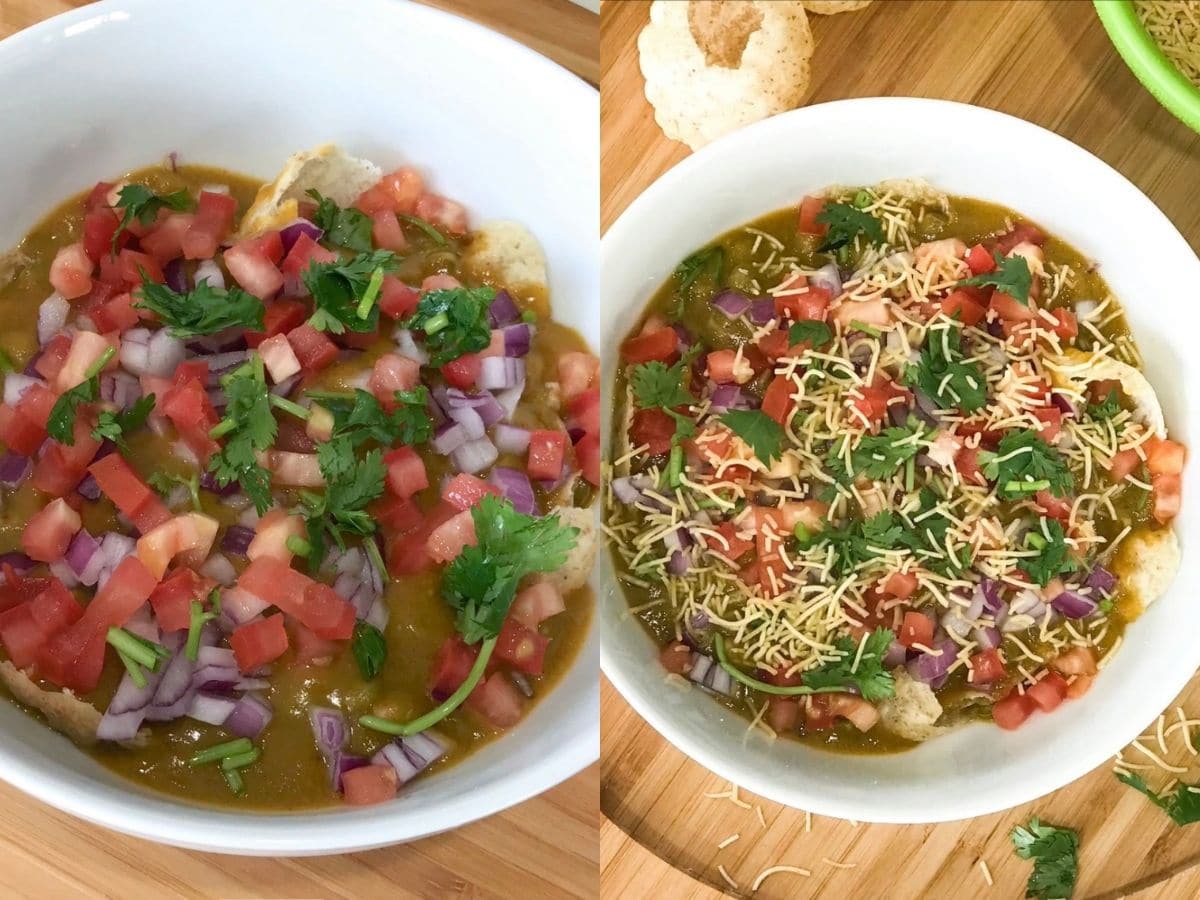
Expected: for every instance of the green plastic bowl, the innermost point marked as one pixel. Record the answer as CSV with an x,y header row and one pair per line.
x,y
1147,61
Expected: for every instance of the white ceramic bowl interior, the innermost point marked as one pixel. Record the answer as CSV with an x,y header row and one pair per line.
x,y
973,152
117,85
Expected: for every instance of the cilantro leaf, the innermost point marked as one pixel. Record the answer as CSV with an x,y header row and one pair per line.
x,y
481,582
141,203
1183,806
430,232
61,424
846,222
860,541
369,648
1055,558
873,680
455,321
165,482
941,374
360,417
249,427
202,311
1107,408
344,292
114,425
1025,464
1011,275
350,485
809,330
343,226
656,384
927,538
877,456
1055,855
764,435
707,259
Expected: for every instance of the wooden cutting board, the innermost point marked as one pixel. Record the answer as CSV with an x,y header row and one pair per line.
x,y
1051,63
546,847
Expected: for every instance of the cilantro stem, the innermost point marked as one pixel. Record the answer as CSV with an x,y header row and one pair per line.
x,y
139,650
376,560
136,675
865,328
436,323
371,293
1026,487
241,760
675,466
529,317
98,366
862,200
6,363
288,406
738,675
1036,541
433,233
439,712
222,428
196,622
298,545
233,778
803,535
218,752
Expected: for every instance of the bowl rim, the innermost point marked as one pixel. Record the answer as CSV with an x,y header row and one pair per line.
x,y
1148,63
770,132
113,802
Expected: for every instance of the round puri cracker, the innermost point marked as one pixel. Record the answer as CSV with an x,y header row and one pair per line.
x,y
713,66
830,7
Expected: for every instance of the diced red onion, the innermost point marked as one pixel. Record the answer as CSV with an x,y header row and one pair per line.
x,y
135,350
248,517
19,562
514,485
499,373
176,276
174,693
406,344
732,304
576,434
448,437
120,389
511,439
127,709
1073,605
237,540
114,547
219,569
14,468
929,667
88,489
378,614
82,550
1102,581
474,456
411,755
165,353
510,398
829,278
287,386
15,386
223,363
470,421
240,605
992,600
896,654
62,571
210,707
52,317
483,402
709,675
329,730
503,310
954,623
209,482
517,339
208,272
726,396
343,763
1062,403
251,714
986,637
762,310
291,233
679,563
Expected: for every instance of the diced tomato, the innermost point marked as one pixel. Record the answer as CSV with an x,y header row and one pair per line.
x,y
576,373
215,212
313,348
1079,686
396,299
305,251
132,266
278,357
405,187
393,372
536,603
676,658
374,200
271,535
387,233
310,649
463,372
53,356
99,226
406,473
901,585
980,260
116,314
737,546
1021,233
465,491
654,428
720,366
451,666
1011,711
1167,497
409,553
189,536
777,401
48,534
1048,693
662,345
587,454
25,628
447,215
125,488
86,350
398,515
917,628
810,305
986,667
71,271
165,240
16,588
522,648
1124,463
810,208
861,714
313,604
498,701
1165,457
1011,309
280,317
783,714
966,461
1067,327
368,785
769,527
62,466
1055,507
871,401
447,540
960,305
439,281
172,599
259,642
1051,419
1076,661
546,452
251,267
817,715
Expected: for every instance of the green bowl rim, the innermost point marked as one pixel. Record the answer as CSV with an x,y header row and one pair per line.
x,y
1147,61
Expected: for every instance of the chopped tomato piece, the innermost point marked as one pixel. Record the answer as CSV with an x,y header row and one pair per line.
x,y
188,406
191,533
465,491
980,260
1167,497
25,628
546,452
451,666
313,348
960,305
1124,463
1076,661
777,401
986,667
871,401
406,473
734,546
861,714
305,251
271,535
405,187
71,271
172,599
676,658
901,585
654,428
18,433
257,643
1021,233
810,208
132,266
214,216
398,514
48,534
1048,693
253,269
387,233
917,628
498,701
772,566
314,605
281,316
522,648
368,785
810,305
396,299
576,373
662,345
463,372
1011,711
1011,309
393,372
1165,457
1066,324
536,603
86,350
1079,686
966,461
447,540
447,215
587,454
279,358
1055,507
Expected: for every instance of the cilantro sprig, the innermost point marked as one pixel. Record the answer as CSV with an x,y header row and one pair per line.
x,y
764,435
876,456
809,330
201,311
114,425
659,386
350,485
360,417
1055,855
165,482
1011,275
846,222
61,424
1054,557
1107,408
710,260
343,226
1183,806
369,648
454,321
942,374
345,292
480,584
247,427
1024,464
860,540
141,203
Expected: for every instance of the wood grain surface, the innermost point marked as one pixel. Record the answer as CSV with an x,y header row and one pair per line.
x,y
546,847
1050,63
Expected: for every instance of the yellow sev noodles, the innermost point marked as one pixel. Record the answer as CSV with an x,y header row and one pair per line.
x,y
1175,27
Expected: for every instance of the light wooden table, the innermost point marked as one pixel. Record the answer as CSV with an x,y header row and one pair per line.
x,y
1048,62
546,847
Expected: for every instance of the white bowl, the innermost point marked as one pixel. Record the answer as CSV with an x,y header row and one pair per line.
x,y
979,153
116,85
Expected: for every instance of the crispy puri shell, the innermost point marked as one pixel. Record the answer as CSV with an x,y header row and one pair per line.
x,y
914,710
1146,563
64,711
1077,369
327,169
506,254
574,573
712,66
831,7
